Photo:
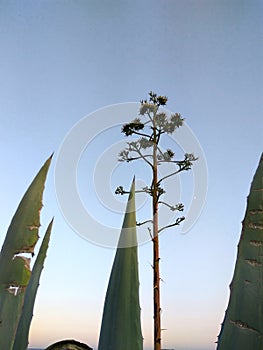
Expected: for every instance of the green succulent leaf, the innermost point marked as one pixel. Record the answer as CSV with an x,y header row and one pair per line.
x,y
242,328
21,339
121,325
21,238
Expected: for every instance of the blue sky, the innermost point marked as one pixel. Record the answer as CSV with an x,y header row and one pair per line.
x,y
62,60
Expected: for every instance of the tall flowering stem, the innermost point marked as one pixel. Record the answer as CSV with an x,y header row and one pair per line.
x,y
151,124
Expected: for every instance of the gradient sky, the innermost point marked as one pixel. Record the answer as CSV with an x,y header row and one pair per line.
x,y
60,61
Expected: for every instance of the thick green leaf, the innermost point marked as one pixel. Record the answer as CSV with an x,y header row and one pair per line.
x,y
69,345
15,273
121,324
242,328
21,339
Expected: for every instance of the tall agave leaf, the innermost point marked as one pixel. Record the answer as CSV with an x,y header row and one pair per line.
x,y
242,328
121,325
15,273
21,339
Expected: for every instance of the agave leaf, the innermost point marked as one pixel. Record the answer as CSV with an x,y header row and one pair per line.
x,y
21,237
121,324
242,328
21,339
70,344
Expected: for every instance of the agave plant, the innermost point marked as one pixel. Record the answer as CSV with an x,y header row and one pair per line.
x,y
121,323
70,344
18,284
242,328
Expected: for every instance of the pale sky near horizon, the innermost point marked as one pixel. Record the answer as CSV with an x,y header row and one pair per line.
x,y
62,60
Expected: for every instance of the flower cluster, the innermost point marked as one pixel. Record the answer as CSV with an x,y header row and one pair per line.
x,y
166,156
152,105
187,163
120,190
157,100
145,143
132,127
